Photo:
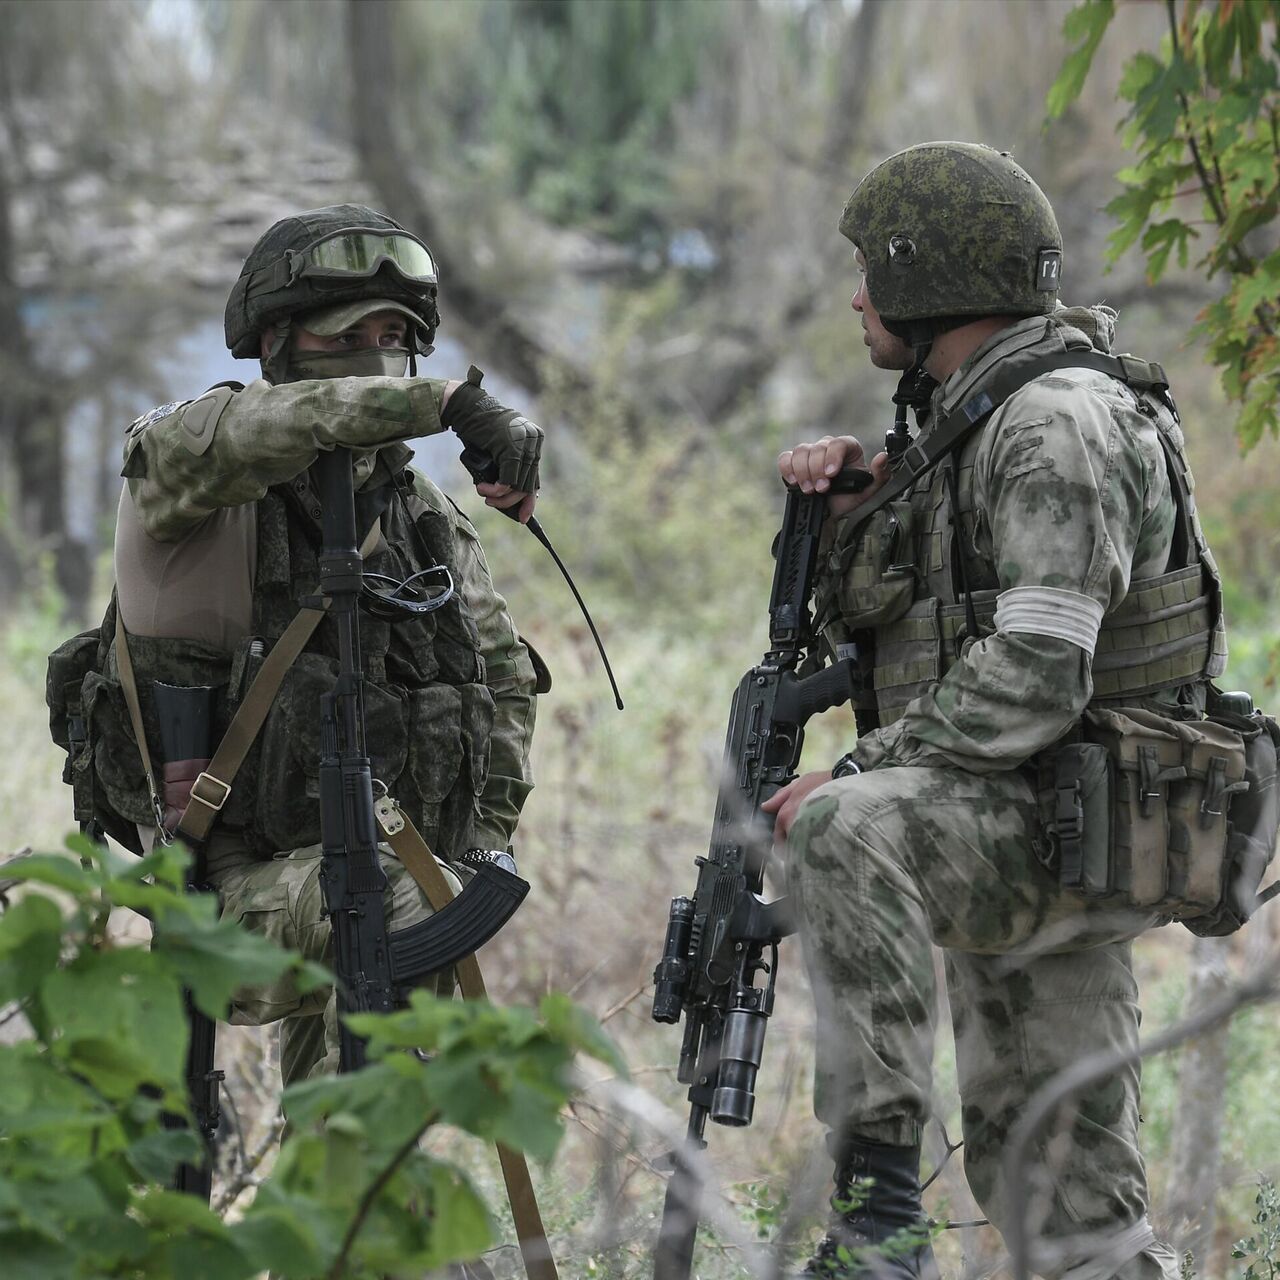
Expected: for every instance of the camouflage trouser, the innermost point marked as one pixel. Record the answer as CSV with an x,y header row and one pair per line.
x,y
283,900
882,863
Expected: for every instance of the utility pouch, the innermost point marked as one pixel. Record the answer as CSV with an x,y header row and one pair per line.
x,y
1176,817
69,663
870,570
1254,820
1077,787
1146,757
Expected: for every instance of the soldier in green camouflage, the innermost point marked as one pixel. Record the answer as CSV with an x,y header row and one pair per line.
x,y
986,606
216,550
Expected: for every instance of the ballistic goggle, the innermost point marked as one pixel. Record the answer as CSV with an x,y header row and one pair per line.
x,y
354,253
421,593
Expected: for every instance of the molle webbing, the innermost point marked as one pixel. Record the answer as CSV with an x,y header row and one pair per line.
x,y
1166,632
1157,637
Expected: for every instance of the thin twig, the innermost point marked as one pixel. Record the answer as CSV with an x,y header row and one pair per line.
x,y
1043,1105
625,1001
374,1189
233,1191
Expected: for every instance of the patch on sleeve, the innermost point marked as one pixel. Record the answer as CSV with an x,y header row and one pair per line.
x,y
154,415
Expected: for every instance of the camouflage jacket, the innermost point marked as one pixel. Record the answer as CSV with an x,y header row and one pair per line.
x,y
455,688
1065,487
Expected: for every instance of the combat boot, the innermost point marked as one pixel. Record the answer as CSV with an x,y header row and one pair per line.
x,y
876,1202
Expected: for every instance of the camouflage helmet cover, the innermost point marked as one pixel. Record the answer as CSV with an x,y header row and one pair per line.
x,y
954,229
251,308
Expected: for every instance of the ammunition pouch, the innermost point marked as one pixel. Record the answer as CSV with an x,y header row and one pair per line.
x,y
1167,816
69,665
870,576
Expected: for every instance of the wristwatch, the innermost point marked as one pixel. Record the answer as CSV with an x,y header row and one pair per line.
x,y
846,766
477,858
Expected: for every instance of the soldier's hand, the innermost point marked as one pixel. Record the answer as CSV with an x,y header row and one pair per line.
x,y
502,497
810,467
785,804
504,437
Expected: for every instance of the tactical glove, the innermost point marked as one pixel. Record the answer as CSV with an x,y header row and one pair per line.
x,y
504,435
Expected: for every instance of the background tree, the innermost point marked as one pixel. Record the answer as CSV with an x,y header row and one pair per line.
x,y
1204,122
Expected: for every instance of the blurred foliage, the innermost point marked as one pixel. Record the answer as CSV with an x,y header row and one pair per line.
x,y
1204,118
84,1152
585,109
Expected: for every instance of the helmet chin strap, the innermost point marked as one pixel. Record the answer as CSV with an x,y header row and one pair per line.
x,y
275,365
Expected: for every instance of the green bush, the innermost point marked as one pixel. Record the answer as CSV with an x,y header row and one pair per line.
x,y
84,1155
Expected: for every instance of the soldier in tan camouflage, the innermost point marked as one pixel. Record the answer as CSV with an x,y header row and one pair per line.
x,y
988,608
216,548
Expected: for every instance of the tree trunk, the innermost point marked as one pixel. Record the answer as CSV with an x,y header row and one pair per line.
x,y
1197,1137
388,168
31,432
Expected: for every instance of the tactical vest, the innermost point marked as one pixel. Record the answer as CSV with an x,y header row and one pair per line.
x,y
899,574
428,712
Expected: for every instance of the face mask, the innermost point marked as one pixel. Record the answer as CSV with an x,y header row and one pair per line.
x,y
374,362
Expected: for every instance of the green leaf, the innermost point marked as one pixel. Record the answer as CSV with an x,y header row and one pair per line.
x,y
121,1019
156,1155
215,957
279,1242
54,870
460,1226
1086,24
30,943
1159,240
26,1255
577,1028
1140,72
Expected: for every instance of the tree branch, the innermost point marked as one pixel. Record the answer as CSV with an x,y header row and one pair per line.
x,y
388,169
373,1191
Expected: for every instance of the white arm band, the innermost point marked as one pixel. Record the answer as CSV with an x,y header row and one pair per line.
x,y
1050,611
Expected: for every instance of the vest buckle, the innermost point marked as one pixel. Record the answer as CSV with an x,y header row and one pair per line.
x,y
210,802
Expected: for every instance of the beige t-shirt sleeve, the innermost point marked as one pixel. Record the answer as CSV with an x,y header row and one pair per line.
x,y
198,588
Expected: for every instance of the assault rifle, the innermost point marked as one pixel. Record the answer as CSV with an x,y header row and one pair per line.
x,y
375,969
717,941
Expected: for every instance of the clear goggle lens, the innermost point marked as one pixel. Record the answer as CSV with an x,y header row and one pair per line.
x,y
361,253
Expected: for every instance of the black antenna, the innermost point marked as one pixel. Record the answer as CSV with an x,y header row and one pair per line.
x,y
483,469
541,534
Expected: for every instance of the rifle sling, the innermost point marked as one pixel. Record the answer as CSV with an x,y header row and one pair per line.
x,y
210,790
950,432
412,851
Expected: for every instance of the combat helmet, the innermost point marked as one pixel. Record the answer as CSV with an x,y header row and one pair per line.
x,y
325,257
951,231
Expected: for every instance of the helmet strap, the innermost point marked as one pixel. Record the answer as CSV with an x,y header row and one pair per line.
x,y
275,366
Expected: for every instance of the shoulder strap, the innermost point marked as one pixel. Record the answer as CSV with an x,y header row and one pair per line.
x,y
950,432
411,849
129,687
210,790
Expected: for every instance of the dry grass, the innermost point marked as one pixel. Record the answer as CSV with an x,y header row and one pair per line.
x,y
621,809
